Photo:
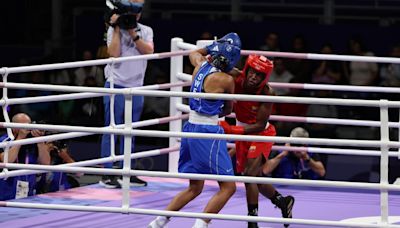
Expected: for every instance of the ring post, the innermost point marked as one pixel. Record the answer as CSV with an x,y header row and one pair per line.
x,y
7,119
112,111
384,115
203,43
175,126
127,153
5,106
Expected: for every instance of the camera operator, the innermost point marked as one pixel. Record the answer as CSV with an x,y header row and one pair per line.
x,y
55,181
23,186
125,37
295,164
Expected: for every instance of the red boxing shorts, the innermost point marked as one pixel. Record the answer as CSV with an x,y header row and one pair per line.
x,y
248,150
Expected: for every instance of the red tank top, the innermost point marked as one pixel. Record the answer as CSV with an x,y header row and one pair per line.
x,y
246,111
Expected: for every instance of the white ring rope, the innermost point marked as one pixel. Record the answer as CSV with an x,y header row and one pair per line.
x,y
311,56
58,66
63,97
193,215
319,120
241,97
165,134
225,178
92,162
69,135
322,150
348,88
75,134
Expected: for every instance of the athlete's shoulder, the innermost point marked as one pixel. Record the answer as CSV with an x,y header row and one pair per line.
x,y
223,77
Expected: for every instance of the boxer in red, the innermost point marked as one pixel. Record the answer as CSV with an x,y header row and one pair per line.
x,y
252,119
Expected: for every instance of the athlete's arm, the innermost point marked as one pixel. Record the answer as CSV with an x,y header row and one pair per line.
x,y
235,72
263,114
229,87
197,57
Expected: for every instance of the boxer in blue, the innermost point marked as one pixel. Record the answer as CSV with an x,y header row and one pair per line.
x,y
207,156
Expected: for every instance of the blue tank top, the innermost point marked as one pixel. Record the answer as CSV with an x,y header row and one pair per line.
x,y
204,106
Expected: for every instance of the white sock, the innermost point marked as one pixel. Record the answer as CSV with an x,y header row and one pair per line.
x,y
200,223
160,221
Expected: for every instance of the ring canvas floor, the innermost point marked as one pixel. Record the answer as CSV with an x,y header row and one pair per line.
x,y
311,203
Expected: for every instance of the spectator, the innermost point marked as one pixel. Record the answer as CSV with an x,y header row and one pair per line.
x,y
88,111
151,109
300,68
102,52
81,73
290,109
124,39
35,110
390,76
206,36
60,77
271,42
361,73
328,72
280,74
324,111
295,164
390,73
23,186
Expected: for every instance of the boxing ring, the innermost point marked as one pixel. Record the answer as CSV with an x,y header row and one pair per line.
x,y
345,204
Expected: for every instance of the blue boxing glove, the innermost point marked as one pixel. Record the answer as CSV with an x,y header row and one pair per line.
x,y
231,38
212,49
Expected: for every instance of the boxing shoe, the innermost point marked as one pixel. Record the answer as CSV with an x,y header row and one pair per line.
x,y
252,225
286,205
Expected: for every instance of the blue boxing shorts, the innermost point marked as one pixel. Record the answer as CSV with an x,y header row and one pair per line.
x,y
205,156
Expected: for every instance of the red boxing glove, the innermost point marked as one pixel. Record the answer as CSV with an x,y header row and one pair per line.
x,y
239,130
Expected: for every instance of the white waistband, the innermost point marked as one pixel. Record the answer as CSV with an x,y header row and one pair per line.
x,y
238,123
197,118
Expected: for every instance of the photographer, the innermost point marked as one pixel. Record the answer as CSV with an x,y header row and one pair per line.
x,y
125,37
295,164
23,186
55,181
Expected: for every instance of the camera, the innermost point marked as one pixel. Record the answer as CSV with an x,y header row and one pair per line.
x,y
58,144
126,10
127,21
